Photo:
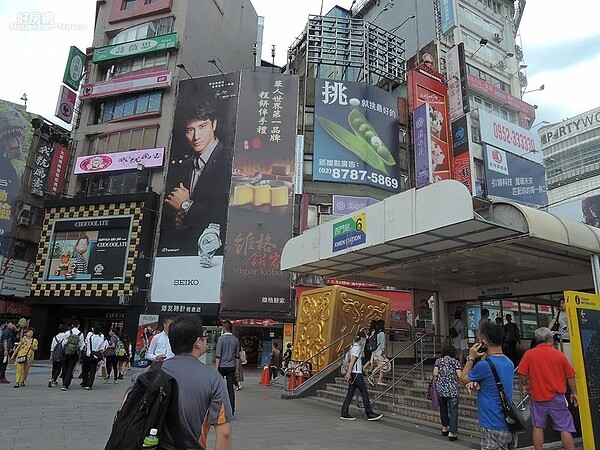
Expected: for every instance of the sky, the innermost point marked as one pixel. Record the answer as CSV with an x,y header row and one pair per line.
x,y
561,43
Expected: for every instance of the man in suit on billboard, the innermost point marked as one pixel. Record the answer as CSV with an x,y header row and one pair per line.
x,y
198,187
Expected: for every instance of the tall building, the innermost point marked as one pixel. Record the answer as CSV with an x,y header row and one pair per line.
x,y
572,157
33,164
98,241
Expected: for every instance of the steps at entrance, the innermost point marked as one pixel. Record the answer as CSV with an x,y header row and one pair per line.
x,y
407,402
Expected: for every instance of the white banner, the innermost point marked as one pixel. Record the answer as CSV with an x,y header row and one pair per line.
x,y
65,104
510,137
455,94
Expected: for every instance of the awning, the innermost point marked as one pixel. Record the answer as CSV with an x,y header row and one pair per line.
x,y
432,237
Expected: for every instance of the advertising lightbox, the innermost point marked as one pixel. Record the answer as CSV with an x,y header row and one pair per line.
x,y
88,250
112,162
356,135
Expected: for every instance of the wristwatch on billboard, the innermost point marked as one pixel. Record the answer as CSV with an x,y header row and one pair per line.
x,y
208,243
186,205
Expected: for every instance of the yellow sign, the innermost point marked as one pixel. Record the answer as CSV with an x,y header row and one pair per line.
x,y
583,310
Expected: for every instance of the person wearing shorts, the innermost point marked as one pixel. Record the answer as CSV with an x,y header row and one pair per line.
x,y
545,372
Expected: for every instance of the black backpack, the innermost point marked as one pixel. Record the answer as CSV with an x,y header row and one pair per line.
x,y
57,351
371,343
151,403
453,333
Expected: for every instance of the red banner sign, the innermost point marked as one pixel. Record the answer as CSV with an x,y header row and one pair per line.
x,y
58,170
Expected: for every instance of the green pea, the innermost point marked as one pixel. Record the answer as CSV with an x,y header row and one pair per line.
x,y
357,122
364,127
369,134
382,151
354,143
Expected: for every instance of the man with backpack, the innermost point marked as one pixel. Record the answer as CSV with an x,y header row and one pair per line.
x,y
354,376
194,398
56,354
73,344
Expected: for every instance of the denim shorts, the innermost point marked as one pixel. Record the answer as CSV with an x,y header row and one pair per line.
x,y
557,410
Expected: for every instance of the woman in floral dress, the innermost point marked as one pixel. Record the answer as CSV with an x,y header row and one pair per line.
x,y
446,376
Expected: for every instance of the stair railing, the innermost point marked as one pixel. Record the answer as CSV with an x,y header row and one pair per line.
x,y
417,343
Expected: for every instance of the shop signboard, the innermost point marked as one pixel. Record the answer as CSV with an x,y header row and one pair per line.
x,y
88,250
583,311
356,135
58,170
346,204
350,232
74,68
114,162
133,83
462,161
147,328
193,227
458,95
65,106
140,47
16,277
448,12
422,145
262,194
514,178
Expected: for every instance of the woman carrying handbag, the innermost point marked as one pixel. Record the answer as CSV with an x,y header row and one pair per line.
x,y
23,354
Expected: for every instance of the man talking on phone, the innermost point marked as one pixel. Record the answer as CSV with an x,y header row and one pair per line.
x,y
494,430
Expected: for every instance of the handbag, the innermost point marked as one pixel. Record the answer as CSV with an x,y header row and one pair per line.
x,y
95,355
23,358
435,396
513,416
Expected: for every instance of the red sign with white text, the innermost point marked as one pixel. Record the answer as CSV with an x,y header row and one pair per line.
x,y
58,170
114,86
425,89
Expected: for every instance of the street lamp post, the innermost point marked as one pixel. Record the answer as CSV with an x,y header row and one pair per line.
x,y
541,88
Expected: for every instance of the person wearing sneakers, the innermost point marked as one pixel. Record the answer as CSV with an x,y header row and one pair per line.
x,y
56,354
355,379
378,355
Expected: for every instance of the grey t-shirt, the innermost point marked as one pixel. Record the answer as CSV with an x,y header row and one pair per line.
x,y
202,397
111,341
228,350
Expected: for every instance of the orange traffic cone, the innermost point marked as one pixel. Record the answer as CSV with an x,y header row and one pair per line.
x,y
299,380
292,383
265,379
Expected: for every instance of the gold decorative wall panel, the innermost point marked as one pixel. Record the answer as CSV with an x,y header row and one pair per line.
x,y
329,313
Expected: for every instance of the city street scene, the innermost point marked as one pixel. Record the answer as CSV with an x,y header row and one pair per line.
x,y
250,224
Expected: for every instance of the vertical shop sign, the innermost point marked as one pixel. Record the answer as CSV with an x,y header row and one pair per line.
x,y
422,145
261,200
462,165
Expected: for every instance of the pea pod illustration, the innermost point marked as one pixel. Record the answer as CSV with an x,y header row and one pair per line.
x,y
355,144
362,128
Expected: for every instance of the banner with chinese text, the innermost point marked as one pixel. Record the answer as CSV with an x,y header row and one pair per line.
x,y
261,197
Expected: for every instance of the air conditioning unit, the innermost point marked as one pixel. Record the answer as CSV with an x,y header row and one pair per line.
x,y
324,209
497,38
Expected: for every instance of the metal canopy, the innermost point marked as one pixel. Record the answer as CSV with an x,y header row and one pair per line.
x,y
432,238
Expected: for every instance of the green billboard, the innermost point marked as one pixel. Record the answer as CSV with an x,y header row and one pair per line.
x,y
74,68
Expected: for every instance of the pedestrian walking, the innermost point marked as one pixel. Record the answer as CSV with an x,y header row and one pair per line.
x,y
274,361
56,354
545,372
23,354
459,336
378,355
227,359
446,377
7,339
111,356
512,338
94,347
354,377
160,347
123,355
72,350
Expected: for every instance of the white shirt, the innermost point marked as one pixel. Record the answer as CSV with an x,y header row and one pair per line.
x,y
97,342
159,345
356,350
60,337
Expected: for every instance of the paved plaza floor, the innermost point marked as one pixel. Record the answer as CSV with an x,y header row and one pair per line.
x,y
36,417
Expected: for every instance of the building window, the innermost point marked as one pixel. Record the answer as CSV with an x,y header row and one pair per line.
x,y
473,17
143,31
131,105
487,77
149,2
140,63
121,141
127,4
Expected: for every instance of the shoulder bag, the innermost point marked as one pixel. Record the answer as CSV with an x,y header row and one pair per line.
x,y
513,416
23,358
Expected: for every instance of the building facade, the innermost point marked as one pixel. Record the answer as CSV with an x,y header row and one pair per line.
x,y
99,241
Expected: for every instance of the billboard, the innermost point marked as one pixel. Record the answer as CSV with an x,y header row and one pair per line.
x,y
585,210
88,250
458,95
448,12
427,86
193,228
356,135
15,277
58,170
15,139
65,106
510,137
112,162
514,178
461,156
346,204
583,310
262,194
422,146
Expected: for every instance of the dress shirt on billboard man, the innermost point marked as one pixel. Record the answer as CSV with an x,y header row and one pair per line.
x,y
198,186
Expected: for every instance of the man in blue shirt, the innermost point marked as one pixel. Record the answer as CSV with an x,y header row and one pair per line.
x,y
494,431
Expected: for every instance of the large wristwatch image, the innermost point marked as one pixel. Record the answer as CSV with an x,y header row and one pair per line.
x,y
208,243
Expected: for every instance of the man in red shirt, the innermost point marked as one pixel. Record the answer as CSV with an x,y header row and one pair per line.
x,y
545,373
